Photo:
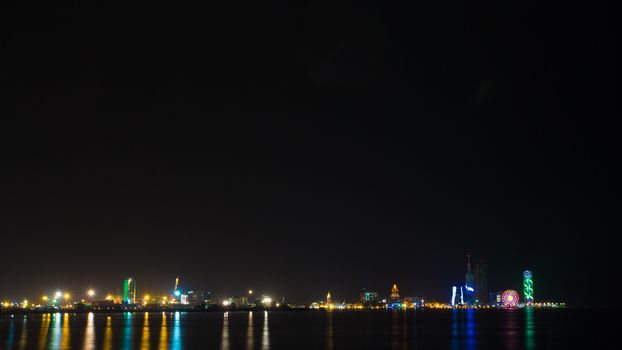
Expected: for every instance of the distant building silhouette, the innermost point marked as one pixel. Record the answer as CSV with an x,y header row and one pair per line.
x,y
481,281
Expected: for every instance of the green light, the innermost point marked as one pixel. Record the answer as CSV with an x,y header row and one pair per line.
x,y
528,286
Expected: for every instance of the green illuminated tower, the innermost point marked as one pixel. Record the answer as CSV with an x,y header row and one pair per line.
x,y
129,291
528,286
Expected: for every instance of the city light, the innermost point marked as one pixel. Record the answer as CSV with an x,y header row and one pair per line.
x,y
250,291
528,286
58,294
91,293
108,297
225,303
44,298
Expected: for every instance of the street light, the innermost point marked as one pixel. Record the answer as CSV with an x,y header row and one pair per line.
x,y
91,293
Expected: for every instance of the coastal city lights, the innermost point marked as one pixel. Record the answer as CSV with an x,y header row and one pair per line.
x,y
472,293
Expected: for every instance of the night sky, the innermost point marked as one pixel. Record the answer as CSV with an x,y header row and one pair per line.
x,y
300,148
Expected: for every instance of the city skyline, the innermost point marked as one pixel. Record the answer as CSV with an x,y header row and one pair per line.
x,y
130,293
297,147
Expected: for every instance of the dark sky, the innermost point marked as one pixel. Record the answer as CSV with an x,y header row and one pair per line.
x,y
300,148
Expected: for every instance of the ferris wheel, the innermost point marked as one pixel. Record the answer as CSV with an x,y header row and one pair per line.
x,y
509,298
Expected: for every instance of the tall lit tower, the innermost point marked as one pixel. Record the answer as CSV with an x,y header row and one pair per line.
x,y
395,295
328,301
528,286
129,291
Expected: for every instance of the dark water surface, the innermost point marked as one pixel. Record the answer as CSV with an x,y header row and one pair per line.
x,y
421,329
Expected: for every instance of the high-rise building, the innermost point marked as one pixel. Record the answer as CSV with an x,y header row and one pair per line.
x,y
480,280
129,291
468,276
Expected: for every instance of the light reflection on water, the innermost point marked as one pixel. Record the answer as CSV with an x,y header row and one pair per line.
x,y
126,338
463,329
44,329
250,334
511,328
145,339
176,340
64,343
9,338
530,329
224,338
108,334
163,333
55,326
456,329
24,333
265,338
89,334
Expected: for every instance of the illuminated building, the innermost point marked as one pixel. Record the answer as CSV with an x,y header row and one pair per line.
x,y
468,293
509,298
396,302
495,298
395,295
198,296
328,301
412,302
368,297
480,280
129,291
528,286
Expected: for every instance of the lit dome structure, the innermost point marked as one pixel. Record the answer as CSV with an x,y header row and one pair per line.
x,y
509,298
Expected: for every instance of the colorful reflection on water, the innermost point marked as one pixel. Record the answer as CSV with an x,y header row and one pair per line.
x,y
463,329
530,329
163,342
466,329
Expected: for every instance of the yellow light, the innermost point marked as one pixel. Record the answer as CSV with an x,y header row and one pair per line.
x,y
66,295
225,303
146,297
91,293
250,291
45,298
108,297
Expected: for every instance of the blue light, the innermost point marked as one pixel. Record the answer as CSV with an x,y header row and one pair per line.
x,y
470,289
453,295
395,306
177,293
